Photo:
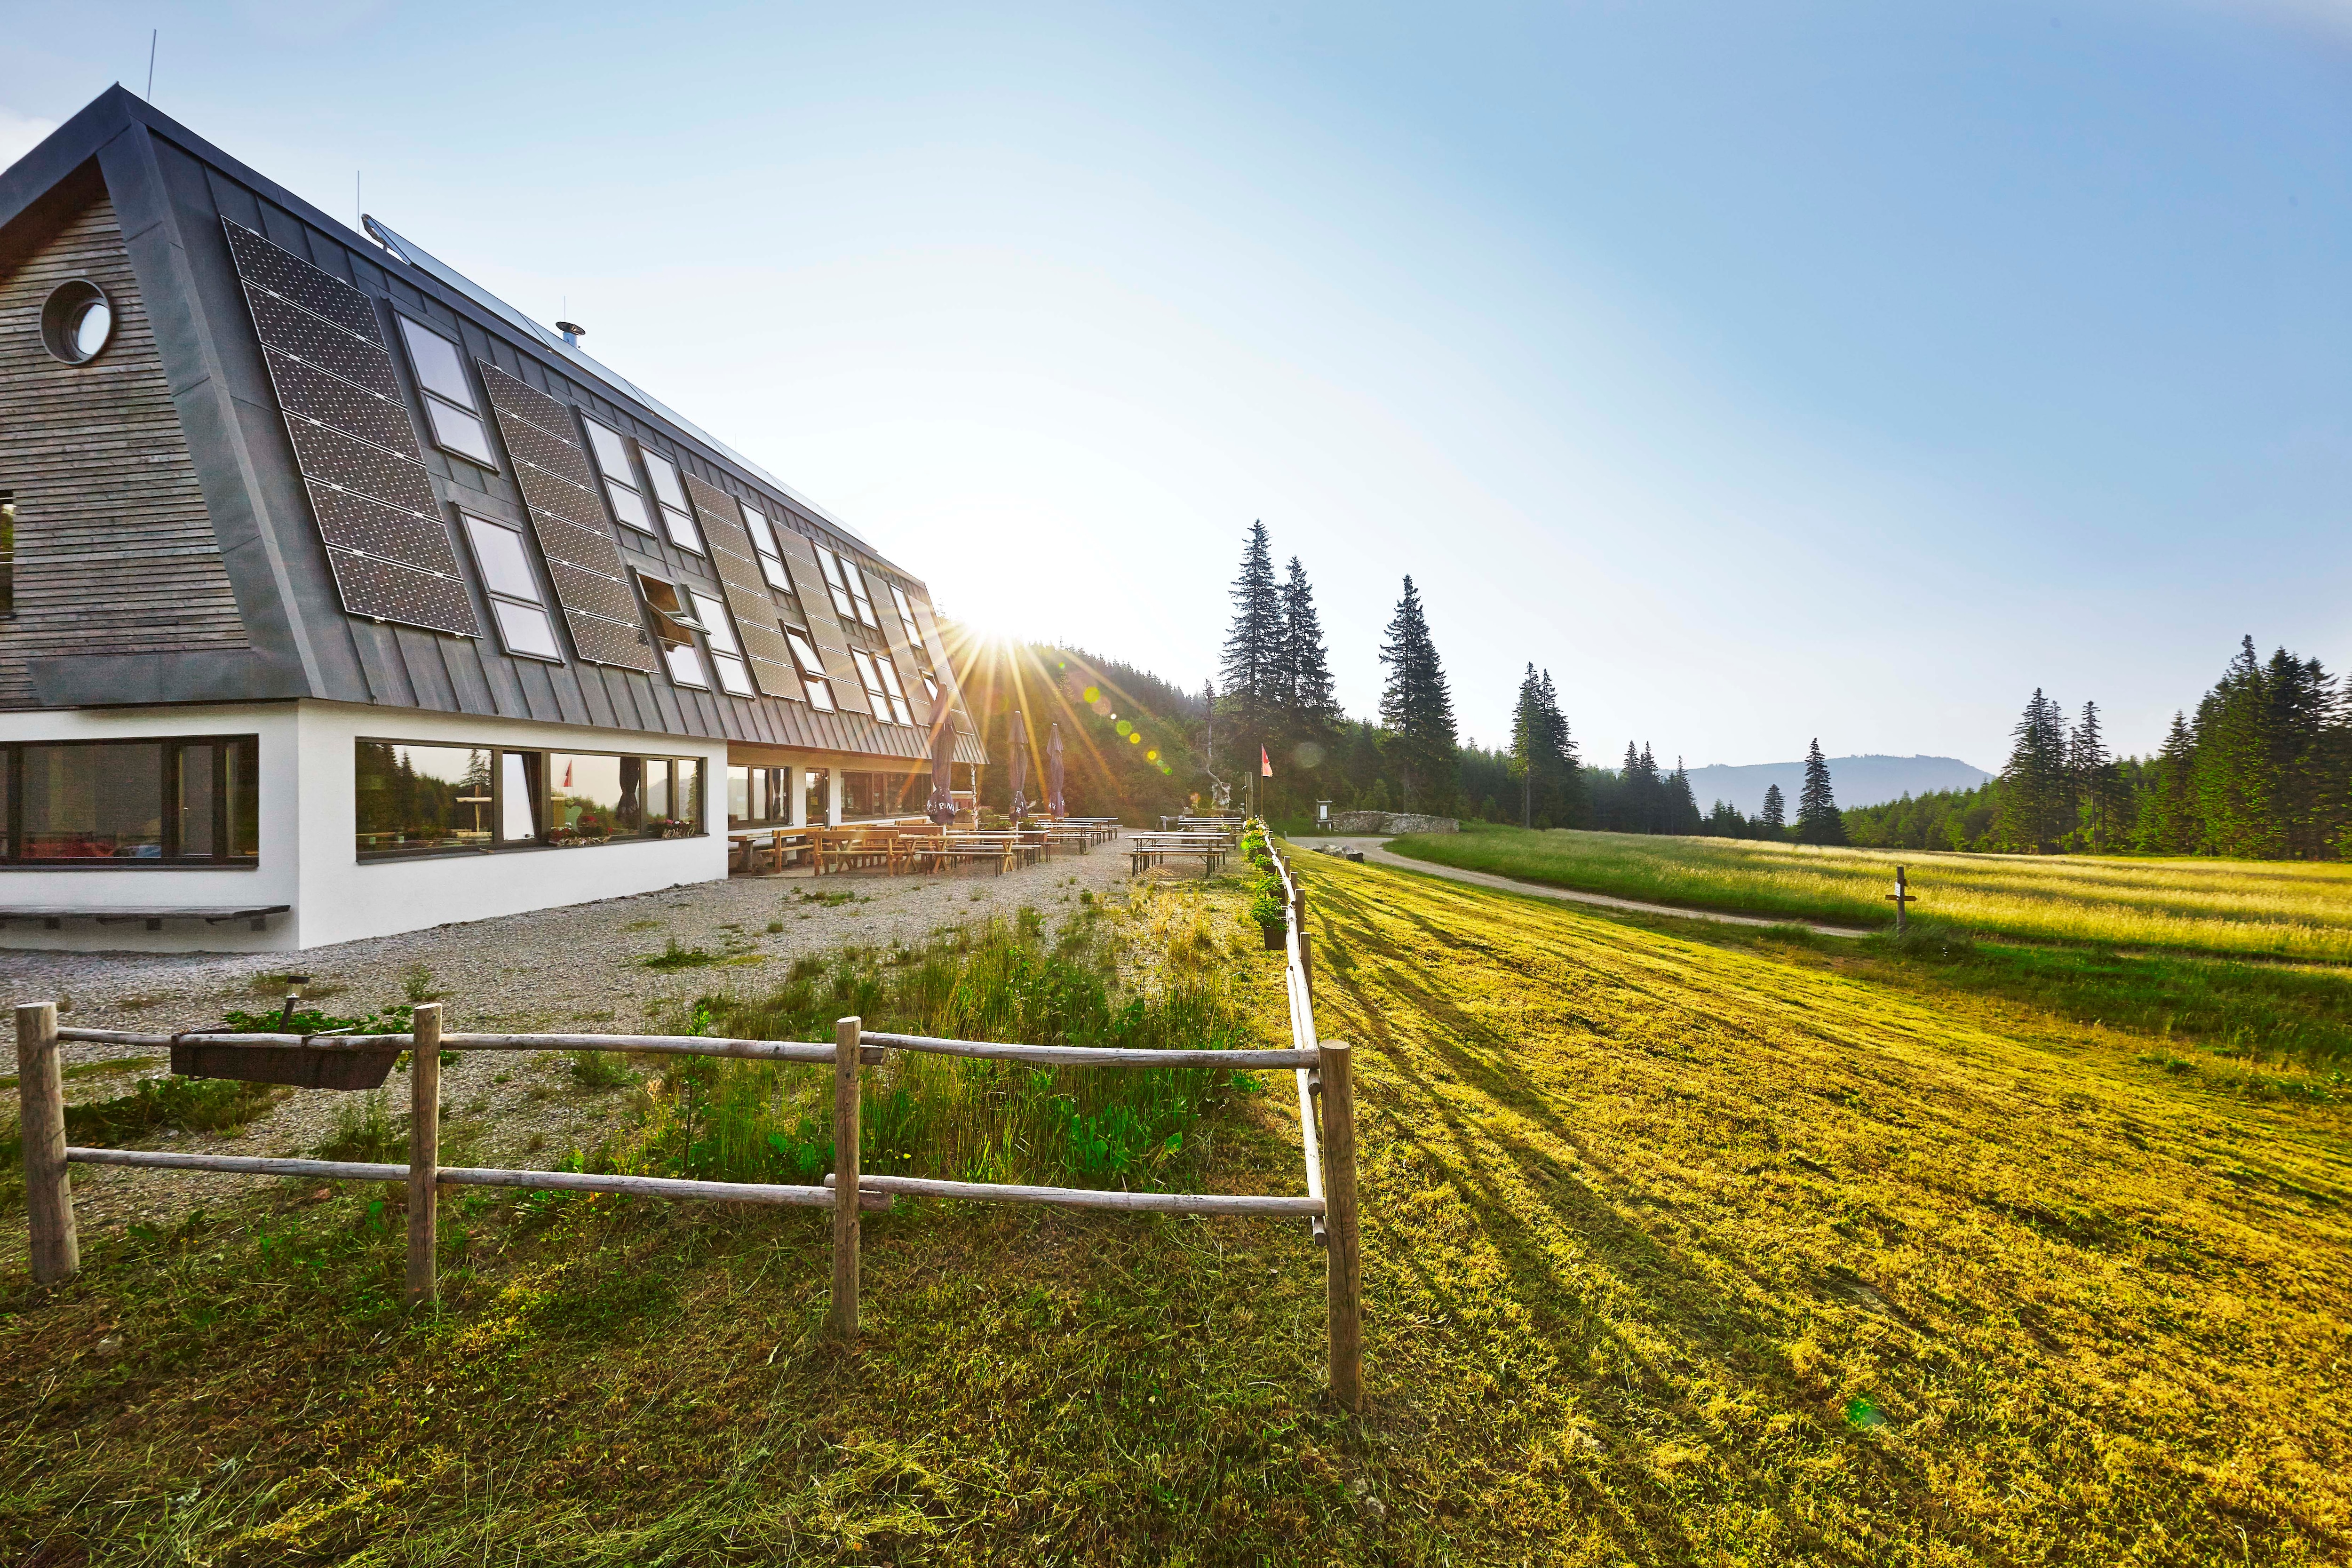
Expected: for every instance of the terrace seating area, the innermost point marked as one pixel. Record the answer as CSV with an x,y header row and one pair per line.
x,y
911,847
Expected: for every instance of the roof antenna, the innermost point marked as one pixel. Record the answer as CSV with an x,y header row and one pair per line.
x,y
154,33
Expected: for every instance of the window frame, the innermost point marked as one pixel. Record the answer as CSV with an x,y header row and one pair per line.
x,y
466,519
470,410
8,519
539,777
626,480
813,679
878,694
224,829
836,584
729,661
888,669
677,517
761,528
679,620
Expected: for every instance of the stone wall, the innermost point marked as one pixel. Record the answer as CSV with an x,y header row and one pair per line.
x,y
1388,822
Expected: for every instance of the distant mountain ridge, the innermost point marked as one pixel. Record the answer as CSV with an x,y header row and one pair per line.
x,y
1857,781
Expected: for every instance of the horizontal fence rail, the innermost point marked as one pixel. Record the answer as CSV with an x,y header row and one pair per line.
x,y
1325,1098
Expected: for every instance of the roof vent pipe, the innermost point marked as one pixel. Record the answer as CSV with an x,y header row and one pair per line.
x,y
573,332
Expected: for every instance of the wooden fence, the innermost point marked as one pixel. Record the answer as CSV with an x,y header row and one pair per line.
x,y
1322,1068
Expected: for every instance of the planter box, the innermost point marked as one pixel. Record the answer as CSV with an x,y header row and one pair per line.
x,y
575,843
1275,936
280,1064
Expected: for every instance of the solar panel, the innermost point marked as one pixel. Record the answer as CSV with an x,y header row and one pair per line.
x,y
387,539
544,491
778,680
603,641
569,519
283,272
316,340
592,592
389,592
530,443
354,522
331,457
313,394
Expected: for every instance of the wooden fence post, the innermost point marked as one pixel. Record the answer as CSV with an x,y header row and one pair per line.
x,y
41,1099
843,1319
424,1155
1298,924
1343,1255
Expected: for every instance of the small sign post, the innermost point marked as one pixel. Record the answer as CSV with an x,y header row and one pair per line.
x,y
1901,897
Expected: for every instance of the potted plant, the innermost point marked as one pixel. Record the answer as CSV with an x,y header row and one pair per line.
x,y
670,827
587,830
1267,908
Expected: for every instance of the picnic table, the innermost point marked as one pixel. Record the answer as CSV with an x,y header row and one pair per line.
x,y
780,842
1150,848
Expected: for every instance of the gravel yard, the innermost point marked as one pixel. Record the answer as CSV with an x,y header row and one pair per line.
x,y
577,968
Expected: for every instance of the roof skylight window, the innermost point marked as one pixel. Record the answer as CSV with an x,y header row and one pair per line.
x,y
515,601
676,516
612,450
820,690
674,629
764,541
450,406
726,653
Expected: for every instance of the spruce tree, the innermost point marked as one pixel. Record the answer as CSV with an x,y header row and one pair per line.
x,y
1681,806
2092,771
1567,804
2237,775
2168,812
1818,819
1527,743
1308,717
2034,794
1418,709
1775,815
1253,666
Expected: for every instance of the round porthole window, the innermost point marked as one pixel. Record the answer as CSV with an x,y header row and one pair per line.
x,y
78,322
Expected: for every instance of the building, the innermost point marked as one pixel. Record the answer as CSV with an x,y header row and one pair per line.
x,y
338,598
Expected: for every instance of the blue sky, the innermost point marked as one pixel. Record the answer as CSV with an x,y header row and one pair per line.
x,y
1764,372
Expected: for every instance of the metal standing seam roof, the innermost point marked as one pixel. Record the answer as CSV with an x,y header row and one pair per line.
x,y
408,252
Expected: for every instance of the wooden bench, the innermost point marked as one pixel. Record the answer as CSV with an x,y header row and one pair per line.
x,y
1152,848
151,915
782,843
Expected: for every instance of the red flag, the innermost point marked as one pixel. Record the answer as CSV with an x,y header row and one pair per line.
x,y
1265,764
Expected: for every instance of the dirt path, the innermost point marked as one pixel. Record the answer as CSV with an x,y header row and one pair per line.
x,y
1376,852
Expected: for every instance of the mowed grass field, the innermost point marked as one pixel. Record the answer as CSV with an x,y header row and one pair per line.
x,y
1681,1247
2294,909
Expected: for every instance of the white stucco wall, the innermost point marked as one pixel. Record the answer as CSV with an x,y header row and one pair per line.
x,y
308,854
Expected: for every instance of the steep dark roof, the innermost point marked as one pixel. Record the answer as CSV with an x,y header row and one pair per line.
x,y
172,192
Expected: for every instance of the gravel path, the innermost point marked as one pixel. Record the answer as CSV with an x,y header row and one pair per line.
x,y
576,968
1377,853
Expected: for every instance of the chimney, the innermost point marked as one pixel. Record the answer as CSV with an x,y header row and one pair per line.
x,y
573,332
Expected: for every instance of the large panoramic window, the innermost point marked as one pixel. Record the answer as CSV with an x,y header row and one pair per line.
x,y
173,801
758,798
872,794
449,403
523,624
415,798
611,450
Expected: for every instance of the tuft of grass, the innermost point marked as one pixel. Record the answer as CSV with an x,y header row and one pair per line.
x,y
674,956
364,1132
1015,980
598,1069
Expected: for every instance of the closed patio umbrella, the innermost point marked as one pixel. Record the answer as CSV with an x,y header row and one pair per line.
x,y
1054,772
1020,766
941,808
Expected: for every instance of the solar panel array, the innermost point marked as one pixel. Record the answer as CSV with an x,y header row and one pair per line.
x,y
369,488
560,493
747,591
